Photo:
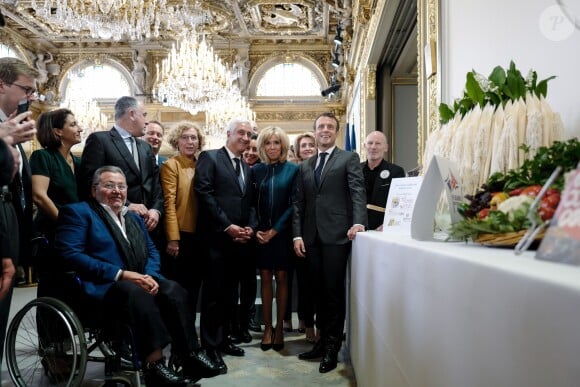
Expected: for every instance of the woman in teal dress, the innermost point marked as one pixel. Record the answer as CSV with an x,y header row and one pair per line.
x,y
54,182
274,180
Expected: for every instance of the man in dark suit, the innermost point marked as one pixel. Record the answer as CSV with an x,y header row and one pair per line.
x,y
378,174
21,189
329,210
109,248
122,147
154,136
17,86
226,221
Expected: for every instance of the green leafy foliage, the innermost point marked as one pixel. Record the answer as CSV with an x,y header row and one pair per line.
x,y
534,171
500,87
538,169
495,223
473,90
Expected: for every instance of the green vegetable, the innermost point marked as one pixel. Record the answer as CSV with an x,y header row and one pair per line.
x,y
496,223
538,169
534,171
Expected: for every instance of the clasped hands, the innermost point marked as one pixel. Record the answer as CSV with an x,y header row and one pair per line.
x,y
240,234
264,237
150,216
144,281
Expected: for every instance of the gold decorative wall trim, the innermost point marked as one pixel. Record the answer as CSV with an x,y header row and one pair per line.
x,y
429,87
287,116
371,82
369,27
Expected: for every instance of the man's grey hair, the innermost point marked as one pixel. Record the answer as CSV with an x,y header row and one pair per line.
x,y
106,168
235,122
123,104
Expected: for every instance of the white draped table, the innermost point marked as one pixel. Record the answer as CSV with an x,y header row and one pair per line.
x,y
458,315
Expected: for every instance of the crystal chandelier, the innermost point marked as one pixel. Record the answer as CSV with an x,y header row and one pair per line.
x,y
115,19
220,113
193,78
86,110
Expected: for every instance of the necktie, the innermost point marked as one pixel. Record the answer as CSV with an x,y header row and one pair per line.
x,y
18,178
239,173
135,152
318,170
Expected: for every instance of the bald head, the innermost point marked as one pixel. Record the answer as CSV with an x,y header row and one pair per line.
x,y
376,146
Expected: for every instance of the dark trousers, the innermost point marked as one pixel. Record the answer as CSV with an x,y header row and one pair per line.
x,y
306,307
9,240
327,270
226,262
186,268
246,278
155,320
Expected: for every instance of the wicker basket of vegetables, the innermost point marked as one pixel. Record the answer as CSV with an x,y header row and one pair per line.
x,y
497,215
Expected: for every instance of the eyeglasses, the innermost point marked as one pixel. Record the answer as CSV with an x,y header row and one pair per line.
x,y
30,91
186,138
112,186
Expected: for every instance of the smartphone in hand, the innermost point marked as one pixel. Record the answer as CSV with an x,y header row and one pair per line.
x,y
23,106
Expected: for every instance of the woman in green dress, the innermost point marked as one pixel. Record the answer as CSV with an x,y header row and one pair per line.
x,y
54,183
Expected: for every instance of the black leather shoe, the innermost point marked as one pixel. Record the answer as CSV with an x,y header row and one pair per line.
x,y
235,339
231,349
216,357
254,326
245,336
329,360
199,365
158,374
316,352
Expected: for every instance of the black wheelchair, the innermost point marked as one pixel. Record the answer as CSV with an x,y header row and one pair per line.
x,y
47,345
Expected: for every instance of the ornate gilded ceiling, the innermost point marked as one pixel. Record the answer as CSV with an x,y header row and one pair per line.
x,y
248,31
226,20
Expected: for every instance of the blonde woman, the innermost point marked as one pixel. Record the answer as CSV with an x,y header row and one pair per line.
x,y
181,208
274,180
304,146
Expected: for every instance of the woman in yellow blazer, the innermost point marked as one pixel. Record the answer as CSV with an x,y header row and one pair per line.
x,y
180,218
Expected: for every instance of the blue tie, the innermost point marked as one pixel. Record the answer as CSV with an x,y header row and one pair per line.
x,y
318,170
239,173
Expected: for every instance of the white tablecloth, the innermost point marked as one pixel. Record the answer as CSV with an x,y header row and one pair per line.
x,y
458,315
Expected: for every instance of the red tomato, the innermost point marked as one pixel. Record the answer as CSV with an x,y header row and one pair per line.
x,y
552,200
532,190
552,191
546,213
483,213
516,191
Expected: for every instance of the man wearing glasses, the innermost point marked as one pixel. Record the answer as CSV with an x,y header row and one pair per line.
x,y
121,146
17,86
109,248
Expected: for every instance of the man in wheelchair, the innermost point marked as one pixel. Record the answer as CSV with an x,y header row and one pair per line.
x,y
110,249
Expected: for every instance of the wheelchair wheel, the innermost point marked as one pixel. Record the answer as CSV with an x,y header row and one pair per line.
x,y
46,345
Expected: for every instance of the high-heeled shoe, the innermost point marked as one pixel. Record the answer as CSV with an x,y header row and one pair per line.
x,y
310,335
267,346
278,346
